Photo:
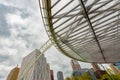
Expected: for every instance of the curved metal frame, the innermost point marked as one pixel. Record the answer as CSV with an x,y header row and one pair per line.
x,y
85,32
51,35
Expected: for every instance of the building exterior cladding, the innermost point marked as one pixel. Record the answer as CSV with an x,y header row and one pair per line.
x,y
60,75
98,71
40,70
95,67
75,65
78,71
115,69
13,74
51,75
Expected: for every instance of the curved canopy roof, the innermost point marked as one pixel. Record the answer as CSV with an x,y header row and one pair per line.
x,y
85,30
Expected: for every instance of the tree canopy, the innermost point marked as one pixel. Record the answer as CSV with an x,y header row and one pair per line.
x,y
84,76
110,77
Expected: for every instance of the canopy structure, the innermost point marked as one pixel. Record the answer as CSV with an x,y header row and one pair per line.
x,y
85,30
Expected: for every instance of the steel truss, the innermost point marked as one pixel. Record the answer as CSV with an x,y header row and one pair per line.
x,y
85,30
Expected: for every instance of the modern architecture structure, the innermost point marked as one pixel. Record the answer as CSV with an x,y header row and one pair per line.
x,y
95,66
34,68
98,71
75,65
85,30
51,75
13,74
78,71
60,75
115,69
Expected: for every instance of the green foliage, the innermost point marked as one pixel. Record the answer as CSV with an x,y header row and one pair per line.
x,y
84,76
110,77
68,78
74,78
110,71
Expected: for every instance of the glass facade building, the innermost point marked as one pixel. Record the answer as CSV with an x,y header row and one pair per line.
x,y
34,68
60,75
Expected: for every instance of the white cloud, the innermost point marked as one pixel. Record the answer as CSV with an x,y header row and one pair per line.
x,y
26,31
4,71
15,19
19,3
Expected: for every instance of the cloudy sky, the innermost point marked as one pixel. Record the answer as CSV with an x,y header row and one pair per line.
x,y
22,31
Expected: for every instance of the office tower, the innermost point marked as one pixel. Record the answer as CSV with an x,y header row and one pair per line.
x,y
47,74
51,74
78,71
75,65
115,69
60,75
34,68
95,67
13,74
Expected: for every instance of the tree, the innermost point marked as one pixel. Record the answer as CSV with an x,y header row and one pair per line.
x,y
68,78
86,76
74,77
110,71
110,77
106,77
80,78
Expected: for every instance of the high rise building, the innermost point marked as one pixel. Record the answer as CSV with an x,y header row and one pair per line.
x,y
115,69
51,74
75,65
95,67
13,74
98,71
34,68
60,75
